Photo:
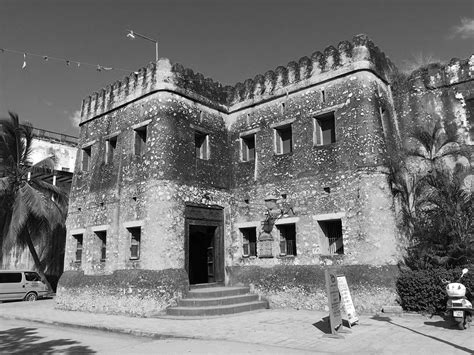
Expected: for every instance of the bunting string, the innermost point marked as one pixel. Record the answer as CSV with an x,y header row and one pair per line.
x,y
67,62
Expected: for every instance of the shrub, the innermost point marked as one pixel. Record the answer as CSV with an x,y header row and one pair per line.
x,y
423,290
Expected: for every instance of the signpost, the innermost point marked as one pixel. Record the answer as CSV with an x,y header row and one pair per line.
x,y
332,291
347,300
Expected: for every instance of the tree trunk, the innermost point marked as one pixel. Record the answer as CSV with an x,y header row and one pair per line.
x,y
39,266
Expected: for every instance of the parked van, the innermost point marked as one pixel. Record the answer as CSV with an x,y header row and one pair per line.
x,y
21,285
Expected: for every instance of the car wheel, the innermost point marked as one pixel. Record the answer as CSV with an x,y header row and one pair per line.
x,y
31,297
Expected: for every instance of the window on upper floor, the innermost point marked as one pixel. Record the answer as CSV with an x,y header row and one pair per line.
x,y
201,145
86,157
283,139
247,144
140,140
324,129
110,146
249,241
287,239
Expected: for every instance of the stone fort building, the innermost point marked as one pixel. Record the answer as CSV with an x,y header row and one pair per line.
x,y
180,180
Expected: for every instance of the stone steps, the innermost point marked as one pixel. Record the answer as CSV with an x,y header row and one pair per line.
x,y
216,300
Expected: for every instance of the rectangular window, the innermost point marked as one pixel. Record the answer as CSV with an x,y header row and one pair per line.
x,y
333,232
287,239
102,238
248,147
140,140
86,157
78,238
325,129
249,241
10,277
110,146
201,144
283,139
135,239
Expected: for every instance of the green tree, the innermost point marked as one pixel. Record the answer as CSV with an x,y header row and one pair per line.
x,y
448,238
436,208
435,147
31,207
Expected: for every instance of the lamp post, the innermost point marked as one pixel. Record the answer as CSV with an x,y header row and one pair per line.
x,y
132,35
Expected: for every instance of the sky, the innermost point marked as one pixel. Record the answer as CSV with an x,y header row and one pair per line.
x,y
227,40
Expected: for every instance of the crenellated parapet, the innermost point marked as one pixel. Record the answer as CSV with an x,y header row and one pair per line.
x,y
155,77
360,54
434,76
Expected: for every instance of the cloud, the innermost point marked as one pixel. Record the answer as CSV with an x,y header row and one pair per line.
x,y
75,118
465,30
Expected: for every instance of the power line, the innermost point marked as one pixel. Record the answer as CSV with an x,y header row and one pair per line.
x,y
66,61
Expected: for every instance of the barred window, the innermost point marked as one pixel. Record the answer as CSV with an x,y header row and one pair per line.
x,y
287,239
249,241
135,240
78,238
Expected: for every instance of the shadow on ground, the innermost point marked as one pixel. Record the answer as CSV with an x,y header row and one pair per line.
x,y
389,320
324,325
25,340
446,323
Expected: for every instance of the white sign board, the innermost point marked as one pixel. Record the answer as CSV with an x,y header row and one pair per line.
x,y
347,300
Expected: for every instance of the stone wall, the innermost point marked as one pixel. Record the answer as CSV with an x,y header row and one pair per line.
x,y
351,170
303,286
140,293
149,190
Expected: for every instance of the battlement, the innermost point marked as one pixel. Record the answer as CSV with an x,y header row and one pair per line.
x,y
434,76
360,54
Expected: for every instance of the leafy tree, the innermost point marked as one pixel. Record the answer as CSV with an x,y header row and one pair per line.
x,y
436,208
31,207
436,146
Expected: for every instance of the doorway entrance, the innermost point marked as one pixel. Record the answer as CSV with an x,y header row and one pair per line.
x,y
201,254
204,245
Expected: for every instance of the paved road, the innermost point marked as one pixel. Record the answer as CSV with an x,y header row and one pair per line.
x,y
34,338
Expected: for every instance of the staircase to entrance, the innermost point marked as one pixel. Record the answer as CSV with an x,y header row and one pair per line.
x,y
215,299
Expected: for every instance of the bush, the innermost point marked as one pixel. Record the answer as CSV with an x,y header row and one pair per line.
x,y
423,290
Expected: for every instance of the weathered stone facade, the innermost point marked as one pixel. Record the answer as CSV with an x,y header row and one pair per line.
x,y
313,135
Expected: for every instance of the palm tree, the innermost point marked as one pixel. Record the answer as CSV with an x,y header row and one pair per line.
x,y
435,146
32,208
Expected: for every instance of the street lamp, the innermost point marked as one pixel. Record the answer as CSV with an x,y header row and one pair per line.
x,y
132,35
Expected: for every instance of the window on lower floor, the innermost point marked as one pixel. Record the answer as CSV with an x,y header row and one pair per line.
x,y
78,239
333,232
201,145
249,241
283,139
287,239
102,238
248,147
135,240
325,129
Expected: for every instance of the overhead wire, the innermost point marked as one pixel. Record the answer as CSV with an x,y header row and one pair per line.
x,y
66,61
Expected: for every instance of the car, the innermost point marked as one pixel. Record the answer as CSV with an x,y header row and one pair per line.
x,y
21,285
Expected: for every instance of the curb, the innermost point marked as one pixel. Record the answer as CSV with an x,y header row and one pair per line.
x,y
138,333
